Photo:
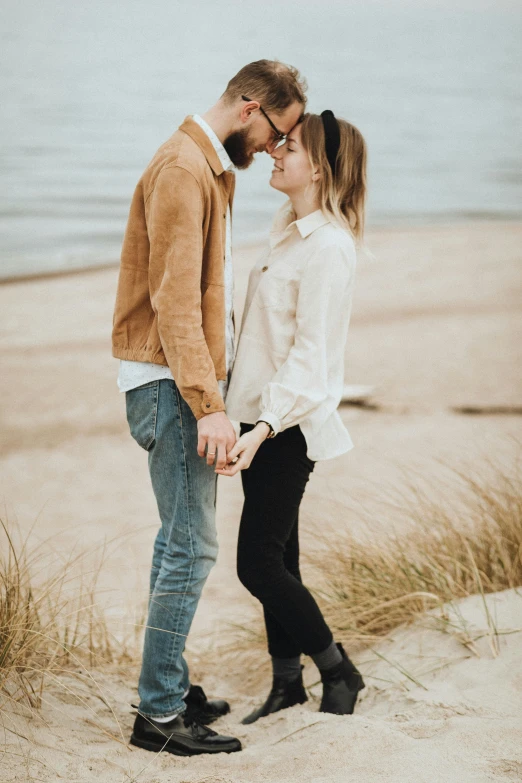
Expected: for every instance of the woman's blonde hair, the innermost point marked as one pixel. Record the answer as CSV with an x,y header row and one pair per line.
x,y
343,195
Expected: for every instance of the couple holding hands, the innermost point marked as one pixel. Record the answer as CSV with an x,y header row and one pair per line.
x,y
185,380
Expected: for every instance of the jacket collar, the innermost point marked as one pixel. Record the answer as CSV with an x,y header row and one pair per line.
x,y
197,134
221,151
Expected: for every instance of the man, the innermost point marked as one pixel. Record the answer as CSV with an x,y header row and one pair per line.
x,y
173,330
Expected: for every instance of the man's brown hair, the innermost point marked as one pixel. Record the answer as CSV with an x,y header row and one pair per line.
x,y
274,84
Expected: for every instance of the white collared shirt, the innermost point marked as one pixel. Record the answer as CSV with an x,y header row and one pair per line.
x,y
134,374
289,366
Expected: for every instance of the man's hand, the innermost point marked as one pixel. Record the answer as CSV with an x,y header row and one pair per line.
x,y
217,435
240,457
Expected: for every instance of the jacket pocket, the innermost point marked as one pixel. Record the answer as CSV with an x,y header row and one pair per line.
x,y
142,413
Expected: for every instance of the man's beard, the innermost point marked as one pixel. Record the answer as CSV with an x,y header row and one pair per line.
x,y
237,147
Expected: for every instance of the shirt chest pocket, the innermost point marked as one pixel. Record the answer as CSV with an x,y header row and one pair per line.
x,y
278,287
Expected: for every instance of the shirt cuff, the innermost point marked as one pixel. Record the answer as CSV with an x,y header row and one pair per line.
x,y
271,419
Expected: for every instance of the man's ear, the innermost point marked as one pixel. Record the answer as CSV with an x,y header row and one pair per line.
x,y
247,109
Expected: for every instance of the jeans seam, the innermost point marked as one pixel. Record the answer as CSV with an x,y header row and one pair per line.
x,y
155,394
174,647
155,413
188,551
187,494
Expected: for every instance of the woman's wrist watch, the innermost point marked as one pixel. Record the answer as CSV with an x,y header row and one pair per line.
x,y
271,433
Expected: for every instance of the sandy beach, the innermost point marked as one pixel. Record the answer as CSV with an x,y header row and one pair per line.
x,y
436,331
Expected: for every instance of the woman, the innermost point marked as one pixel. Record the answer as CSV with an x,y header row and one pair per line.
x,y
285,389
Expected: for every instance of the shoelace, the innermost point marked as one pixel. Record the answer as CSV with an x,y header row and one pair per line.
x,y
198,728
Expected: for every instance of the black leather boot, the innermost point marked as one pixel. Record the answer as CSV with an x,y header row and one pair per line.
x,y
204,710
283,694
341,685
180,736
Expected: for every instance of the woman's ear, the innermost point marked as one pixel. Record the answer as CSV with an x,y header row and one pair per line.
x,y
316,175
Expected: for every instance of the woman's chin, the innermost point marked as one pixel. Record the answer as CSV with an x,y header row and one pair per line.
x,y
274,183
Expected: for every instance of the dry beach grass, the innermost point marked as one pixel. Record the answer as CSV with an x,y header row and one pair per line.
x,y
454,541
52,619
54,634
456,537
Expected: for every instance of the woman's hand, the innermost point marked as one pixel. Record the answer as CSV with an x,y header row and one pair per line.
x,y
242,454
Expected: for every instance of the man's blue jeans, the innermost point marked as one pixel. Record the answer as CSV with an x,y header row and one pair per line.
x,y
185,548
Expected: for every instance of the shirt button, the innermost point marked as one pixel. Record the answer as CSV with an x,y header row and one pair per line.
x,y
264,269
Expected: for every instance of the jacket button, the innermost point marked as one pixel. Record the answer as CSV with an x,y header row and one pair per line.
x,y
264,269
207,405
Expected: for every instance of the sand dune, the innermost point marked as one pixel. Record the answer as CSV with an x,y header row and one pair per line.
x,y
436,326
463,721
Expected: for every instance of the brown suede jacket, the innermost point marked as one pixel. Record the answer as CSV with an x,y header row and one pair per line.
x,y
170,304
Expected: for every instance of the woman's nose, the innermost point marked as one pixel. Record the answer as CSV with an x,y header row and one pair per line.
x,y
275,153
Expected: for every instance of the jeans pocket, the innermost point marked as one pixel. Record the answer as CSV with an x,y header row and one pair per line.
x,y
142,413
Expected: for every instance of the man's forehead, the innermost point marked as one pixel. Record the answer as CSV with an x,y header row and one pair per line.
x,y
291,117
290,129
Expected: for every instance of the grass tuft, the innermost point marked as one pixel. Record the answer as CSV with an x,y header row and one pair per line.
x,y
435,543
449,545
51,621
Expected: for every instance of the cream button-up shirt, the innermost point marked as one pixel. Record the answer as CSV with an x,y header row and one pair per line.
x,y
289,366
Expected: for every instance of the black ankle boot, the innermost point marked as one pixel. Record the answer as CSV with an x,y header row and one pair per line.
x,y
341,685
283,694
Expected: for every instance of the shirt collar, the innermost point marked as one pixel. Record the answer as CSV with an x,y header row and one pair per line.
x,y
219,148
285,221
312,221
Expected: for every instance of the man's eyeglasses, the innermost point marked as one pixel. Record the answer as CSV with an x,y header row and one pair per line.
x,y
279,136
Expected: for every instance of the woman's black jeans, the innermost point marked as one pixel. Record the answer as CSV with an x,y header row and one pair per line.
x,y
268,546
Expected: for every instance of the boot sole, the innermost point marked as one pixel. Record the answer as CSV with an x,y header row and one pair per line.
x,y
166,748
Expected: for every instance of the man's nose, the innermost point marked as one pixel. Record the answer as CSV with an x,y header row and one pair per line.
x,y
272,149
